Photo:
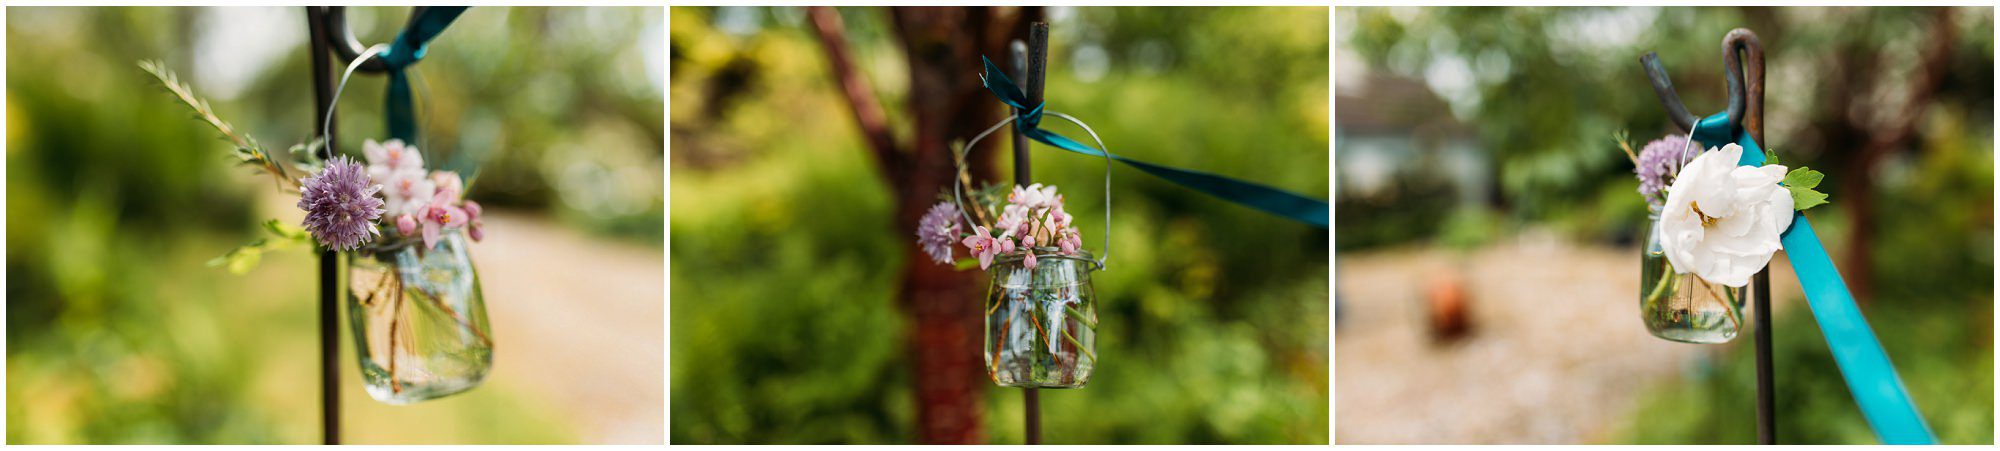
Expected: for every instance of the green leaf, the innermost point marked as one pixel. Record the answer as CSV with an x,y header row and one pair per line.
x,y
1771,156
1801,182
1803,198
1804,177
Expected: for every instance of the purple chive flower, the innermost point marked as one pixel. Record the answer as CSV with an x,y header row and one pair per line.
x,y
340,204
938,230
1657,163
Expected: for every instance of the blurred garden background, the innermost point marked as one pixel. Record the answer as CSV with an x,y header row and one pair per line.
x,y
117,332
804,314
1489,225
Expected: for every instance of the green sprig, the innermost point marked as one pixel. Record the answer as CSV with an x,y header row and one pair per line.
x,y
283,236
247,151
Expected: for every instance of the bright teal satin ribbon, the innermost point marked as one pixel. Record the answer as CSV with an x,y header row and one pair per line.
x,y
407,49
1870,377
1272,200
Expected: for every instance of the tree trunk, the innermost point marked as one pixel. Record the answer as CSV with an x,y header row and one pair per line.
x,y
943,46
947,103
1879,137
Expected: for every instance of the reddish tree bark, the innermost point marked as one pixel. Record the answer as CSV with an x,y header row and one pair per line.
x,y
1843,123
946,103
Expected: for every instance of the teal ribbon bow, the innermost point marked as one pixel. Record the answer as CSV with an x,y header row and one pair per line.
x,y
1870,377
1271,200
407,49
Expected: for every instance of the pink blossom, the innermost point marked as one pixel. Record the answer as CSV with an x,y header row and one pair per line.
x,y
1029,261
406,192
1011,216
390,158
1033,196
440,215
447,181
982,246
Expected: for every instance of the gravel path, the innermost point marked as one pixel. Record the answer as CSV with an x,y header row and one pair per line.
x,y
579,322
1557,354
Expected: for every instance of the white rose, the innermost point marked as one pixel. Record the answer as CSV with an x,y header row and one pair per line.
x,y
1722,221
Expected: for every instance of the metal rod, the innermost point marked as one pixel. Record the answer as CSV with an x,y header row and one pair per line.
x,y
329,261
340,39
1749,66
1663,87
1037,65
1746,109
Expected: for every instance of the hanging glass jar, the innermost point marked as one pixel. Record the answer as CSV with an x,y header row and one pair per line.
x,y
418,319
1041,323
1684,307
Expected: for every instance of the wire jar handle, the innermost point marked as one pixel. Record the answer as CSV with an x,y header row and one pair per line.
x,y
959,198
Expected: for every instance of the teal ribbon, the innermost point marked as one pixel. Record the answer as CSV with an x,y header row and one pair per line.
x,y
1870,377
407,49
1271,200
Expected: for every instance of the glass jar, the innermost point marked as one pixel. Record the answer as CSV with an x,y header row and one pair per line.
x,y
1684,307
418,320
1041,323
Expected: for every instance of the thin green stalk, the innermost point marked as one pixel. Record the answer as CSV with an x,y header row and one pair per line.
x,y
1666,279
1079,346
1652,300
1041,334
1087,322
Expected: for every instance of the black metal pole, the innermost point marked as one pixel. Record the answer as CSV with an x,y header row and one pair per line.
x,y
1037,65
1743,69
1752,71
1767,428
329,261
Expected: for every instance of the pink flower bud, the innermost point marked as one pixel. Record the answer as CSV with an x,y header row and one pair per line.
x,y
406,225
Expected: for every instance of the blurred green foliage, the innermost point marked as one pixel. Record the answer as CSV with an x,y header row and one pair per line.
x,y
1542,90
116,330
787,258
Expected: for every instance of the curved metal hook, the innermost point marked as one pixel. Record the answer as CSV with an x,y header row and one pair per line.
x,y
342,39
1664,88
1746,105
1741,104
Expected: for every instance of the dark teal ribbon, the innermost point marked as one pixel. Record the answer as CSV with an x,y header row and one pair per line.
x,y
407,49
1870,377
1272,200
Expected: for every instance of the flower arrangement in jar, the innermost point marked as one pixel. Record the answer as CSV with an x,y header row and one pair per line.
x,y
1041,313
1712,224
415,308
